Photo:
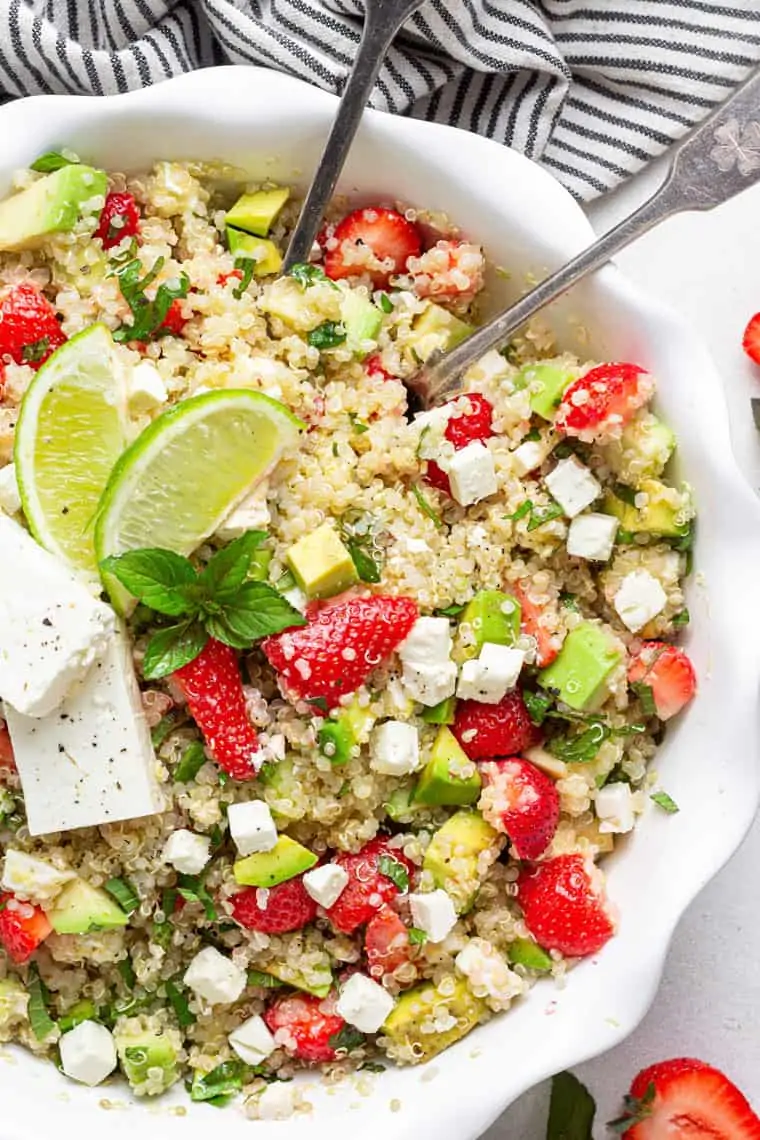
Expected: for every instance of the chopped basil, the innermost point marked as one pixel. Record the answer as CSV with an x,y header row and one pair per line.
x,y
425,506
220,1085
395,871
161,933
327,335
127,971
165,726
451,611
360,536
319,703
178,1002
246,266
307,275
523,510
385,302
666,802
538,705
625,494
541,515
571,1110
582,747
646,697
35,351
124,893
533,436
265,981
192,889
681,619
358,425
148,315
53,160
37,1010
624,538
569,602
416,936
191,762
346,1038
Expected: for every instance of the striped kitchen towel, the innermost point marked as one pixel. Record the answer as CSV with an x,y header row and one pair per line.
x,y
593,89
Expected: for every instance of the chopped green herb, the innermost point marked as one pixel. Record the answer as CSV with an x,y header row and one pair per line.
x,y
385,302
533,436
37,1010
246,266
53,160
371,1067
571,1110
646,697
395,871
451,611
335,451
192,889
421,441
582,747
81,1011
265,981
624,537
191,762
319,703
523,510
569,602
327,335
35,351
541,515
127,971
416,936
666,802
346,1038
148,315
307,275
681,619
165,726
343,790
625,494
358,425
124,893
425,506
161,933
179,1003
220,1085
538,705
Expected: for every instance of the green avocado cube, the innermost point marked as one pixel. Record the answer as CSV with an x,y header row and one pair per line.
x,y
361,320
292,977
437,328
667,512
81,908
80,1011
51,205
494,617
400,805
321,564
525,952
442,713
407,1025
643,450
349,728
140,1054
453,856
264,252
268,868
441,781
584,663
256,212
547,383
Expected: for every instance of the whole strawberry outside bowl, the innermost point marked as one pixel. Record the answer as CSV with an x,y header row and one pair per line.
x,y
273,127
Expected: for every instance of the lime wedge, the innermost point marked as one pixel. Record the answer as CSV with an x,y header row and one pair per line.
x,y
72,428
180,478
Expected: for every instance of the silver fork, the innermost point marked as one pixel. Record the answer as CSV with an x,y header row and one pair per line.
x,y
382,20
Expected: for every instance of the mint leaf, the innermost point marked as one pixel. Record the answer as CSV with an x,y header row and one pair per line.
x,y
226,570
385,302
124,893
583,747
307,275
417,937
221,1084
148,315
52,160
425,506
264,981
626,494
191,762
327,335
681,619
538,705
37,1010
346,1038
173,647
35,351
395,871
541,515
193,889
646,697
158,578
663,800
256,611
571,1110
451,611
246,266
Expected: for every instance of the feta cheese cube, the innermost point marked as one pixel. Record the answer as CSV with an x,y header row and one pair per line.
x,y
31,878
592,536
364,1004
428,642
10,499
276,1102
429,684
51,627
472,474
640,598
214,977
92,761
491,675
434,913
326,884
88,1053
252,1041
531,454
394,748
187,852
251,513
614,808
146,390
573,486
252,827
492,366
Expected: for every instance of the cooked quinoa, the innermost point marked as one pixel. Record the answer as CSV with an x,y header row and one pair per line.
x,y
363,465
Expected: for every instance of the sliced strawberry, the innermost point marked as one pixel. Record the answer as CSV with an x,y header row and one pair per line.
x,y
119,218
23,927
751,339
539,622
603,399
472,421
488,732
368,888
375,370
274,910
386,943
7,758
564,906
29,329
303,1025
668,672
688,1098
374,240
341,645
213,689
522,802
174,321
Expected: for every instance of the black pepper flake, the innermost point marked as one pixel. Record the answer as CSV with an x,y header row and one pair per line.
x,y
61,748
47,621
64,510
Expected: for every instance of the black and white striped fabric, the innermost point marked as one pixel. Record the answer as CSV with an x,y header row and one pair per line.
x,y
593,89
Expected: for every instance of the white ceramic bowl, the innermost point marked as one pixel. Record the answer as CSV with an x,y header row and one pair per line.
x,y
274,126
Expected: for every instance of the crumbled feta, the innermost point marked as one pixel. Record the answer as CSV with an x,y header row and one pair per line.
x,y
88,1053
434,913
146,390
573,486
214,977
429,684
364,1004
252,827
428,642
531,454
276,1102
252,513
614,807
28,877
639,598
187,852
326,884
394,748
592,536
472,474
10,499
490,676
252,1041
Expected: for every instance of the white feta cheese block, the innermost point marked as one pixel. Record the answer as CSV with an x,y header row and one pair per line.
x,y
573,486
640,598
429,684
252,513
88,1053
276,1102
326,884
187,852
614,808
472,474
146,390
434,913
364,1004
489,677
252,827
30,878
531,454
51,627
592,536
215,977
428,642
10,499
394,748
252,1041
91,761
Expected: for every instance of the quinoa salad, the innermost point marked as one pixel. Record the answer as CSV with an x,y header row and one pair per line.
x,y
320,713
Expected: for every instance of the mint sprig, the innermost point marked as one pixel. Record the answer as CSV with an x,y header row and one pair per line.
x,y
148,315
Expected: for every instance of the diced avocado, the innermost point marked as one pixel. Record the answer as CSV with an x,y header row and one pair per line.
x,y
337,737
285,801
524,952
547,383
256,212
453,856
80,1011
51,205
443,713
400,806
643,450
439,782
13,1002
362,321
268,868
417,1007
81,907
291,977
321,564
579,673
436,328
263,251
667,511
142,1052
494,617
